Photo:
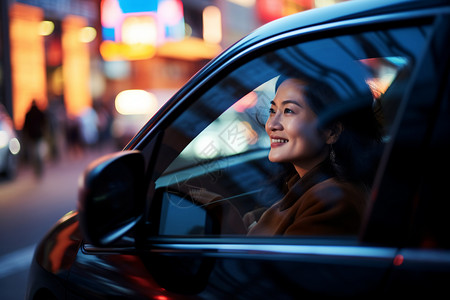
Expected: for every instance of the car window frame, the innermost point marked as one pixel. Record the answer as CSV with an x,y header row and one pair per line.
x,y
174,107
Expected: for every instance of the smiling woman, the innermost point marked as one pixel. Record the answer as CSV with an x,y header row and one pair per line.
x,y
326,195
313,122
293,129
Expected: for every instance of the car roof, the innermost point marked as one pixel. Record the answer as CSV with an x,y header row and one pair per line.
x,y
343,11
338,12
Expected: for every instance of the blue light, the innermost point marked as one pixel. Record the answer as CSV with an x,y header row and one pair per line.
x,y
321,250
131,6
108,34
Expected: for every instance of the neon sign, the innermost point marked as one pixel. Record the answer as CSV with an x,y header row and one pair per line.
x,y
133,29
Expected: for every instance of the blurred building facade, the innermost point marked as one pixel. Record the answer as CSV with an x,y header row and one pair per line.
x,y
81,52
49,46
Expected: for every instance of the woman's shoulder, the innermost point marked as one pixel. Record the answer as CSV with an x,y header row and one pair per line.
x,y
333,191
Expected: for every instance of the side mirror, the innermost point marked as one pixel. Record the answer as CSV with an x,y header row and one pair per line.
x,y
111,196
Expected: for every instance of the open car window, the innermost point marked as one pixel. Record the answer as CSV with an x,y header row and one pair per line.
x,y
212,170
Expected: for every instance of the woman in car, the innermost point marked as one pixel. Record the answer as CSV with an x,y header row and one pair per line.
x,y
328,141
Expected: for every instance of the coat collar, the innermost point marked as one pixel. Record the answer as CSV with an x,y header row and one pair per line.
x,y
298,186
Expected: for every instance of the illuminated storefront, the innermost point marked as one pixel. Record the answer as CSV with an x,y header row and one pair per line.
x,y
50,54
28,67
72,49
149,45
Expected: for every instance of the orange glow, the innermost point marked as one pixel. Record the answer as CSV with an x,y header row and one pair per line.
x,y
244,3
377,86
61,247
132,31
56,82
212,25
139,38
139,30
189,49
384,70
27,60
111,51
135,102
75,66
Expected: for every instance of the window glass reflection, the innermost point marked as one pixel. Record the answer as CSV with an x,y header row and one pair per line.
x,y
218,151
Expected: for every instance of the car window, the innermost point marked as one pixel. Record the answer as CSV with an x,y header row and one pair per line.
x,y
212,172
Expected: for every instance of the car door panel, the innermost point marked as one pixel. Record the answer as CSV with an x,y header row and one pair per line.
x,y
416,180
427,267
254,269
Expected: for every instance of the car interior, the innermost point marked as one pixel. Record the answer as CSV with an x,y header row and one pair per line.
x,y
215,166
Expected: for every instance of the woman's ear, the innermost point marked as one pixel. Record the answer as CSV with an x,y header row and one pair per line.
x,y
333,132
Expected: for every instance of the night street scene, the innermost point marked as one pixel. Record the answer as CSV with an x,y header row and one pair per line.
x,y
78,81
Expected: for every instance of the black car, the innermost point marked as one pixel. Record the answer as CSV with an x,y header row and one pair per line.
x,y
163,218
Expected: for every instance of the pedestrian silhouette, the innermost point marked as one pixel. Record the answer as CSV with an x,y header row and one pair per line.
x,y
34,130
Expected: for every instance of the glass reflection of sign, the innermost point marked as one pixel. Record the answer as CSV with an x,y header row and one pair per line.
x,y
133,29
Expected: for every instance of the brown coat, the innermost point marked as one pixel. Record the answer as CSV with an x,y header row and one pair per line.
x,y
317,205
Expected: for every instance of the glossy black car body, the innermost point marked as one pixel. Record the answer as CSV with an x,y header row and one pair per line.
x,y
130,250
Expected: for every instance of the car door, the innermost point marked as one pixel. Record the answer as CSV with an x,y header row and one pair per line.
x,y
210,169
411,209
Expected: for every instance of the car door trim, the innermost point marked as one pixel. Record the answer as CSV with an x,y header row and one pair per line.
x,y
319,250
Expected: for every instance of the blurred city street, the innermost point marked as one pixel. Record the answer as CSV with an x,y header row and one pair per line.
x,y
29,206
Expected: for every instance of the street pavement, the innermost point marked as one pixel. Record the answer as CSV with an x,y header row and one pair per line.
x,y
29,207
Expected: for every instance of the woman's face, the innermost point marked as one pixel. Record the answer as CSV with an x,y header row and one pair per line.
x,y
292,128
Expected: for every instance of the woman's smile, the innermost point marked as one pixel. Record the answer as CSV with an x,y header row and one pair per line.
x,y
277,141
